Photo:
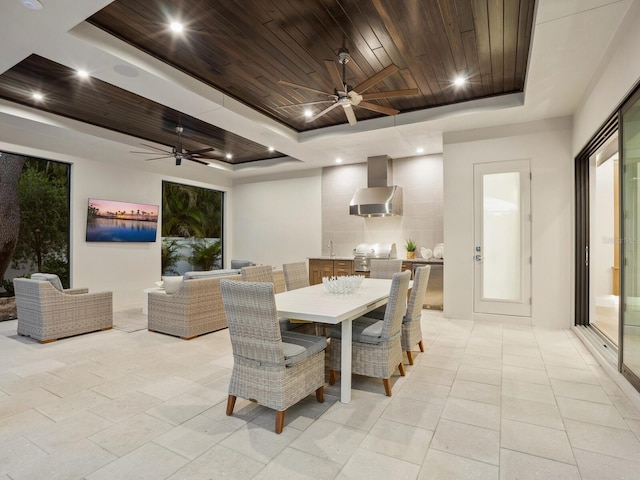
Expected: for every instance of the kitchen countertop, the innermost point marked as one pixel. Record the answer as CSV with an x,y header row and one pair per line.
x,y
335,257
413,260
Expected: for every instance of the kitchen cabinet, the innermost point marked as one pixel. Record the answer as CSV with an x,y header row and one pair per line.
x,y
321,267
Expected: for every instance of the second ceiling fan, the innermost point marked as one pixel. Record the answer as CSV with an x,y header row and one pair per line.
x,y
348,97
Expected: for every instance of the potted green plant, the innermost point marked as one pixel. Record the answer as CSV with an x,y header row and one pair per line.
x,y
411,249
170,256
204,255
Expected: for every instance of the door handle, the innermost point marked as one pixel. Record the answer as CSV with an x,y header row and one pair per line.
x,y
478,258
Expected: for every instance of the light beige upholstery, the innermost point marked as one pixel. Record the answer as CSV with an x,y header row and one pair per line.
x,y
276,369
195,309
47,314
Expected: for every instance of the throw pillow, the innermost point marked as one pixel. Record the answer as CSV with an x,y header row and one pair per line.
x,y
52,278
172,284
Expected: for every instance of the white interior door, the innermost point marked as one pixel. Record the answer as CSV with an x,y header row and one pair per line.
x,y
502,231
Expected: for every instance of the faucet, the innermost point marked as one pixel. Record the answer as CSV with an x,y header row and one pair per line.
x,y
331,254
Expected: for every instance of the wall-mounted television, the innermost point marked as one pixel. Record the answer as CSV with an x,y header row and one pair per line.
x,y
112,221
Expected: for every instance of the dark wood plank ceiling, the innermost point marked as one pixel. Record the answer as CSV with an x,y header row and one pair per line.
x,y
243,47
102,104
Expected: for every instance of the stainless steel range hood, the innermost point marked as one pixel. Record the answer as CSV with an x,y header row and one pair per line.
x,y
379,199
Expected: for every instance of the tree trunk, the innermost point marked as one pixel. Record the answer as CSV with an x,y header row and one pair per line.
x,y
10,170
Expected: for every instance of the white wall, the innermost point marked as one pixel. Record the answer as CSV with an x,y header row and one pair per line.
x,y
277,221
421,180
547,144
615,78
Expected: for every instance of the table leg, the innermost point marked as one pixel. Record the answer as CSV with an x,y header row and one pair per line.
x,y
345,362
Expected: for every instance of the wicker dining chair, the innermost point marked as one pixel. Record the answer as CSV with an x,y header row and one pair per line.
x,y
295,275
275,369
411,323
264,273
384,268
376,347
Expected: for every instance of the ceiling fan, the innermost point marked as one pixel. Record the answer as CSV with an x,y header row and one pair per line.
x,y
347,96
178,152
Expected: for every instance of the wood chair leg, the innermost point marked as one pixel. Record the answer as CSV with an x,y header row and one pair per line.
x,y
387,386
279,421
320,394
332,377
421,345
410,357
231,403
401,368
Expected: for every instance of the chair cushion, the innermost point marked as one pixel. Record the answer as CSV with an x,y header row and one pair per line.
x,y
172,284
241,263
52,278
298,346
365,330
210,273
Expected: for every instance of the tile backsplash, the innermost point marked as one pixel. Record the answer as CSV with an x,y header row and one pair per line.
x,y
421,179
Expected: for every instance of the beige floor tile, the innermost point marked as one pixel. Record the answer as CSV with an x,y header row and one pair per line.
x,y
292,464
126,406
169,387
517,465
491,363
572,374
61,408
370,465
590,412
150,462
602,439
569,361
536,413
194,437
480,392
329,440
528,391
484,351
522,361
180,408
580,391
423,391
362,412
16,451
522,350
468,441
21,402
445,466
445,362
536,440
528,375
23,423
260,443
67,431
74,461
594,466
117,387
130,434
15,384
35,367
225,462
414,413
480,375
439,376
626,407
472,413
398,440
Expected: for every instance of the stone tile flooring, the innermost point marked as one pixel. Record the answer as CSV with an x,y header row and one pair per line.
x,y
485,401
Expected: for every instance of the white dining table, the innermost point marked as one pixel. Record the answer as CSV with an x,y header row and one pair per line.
x,y
316,304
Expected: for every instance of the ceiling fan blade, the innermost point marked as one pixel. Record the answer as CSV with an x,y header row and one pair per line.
x,y
197,152
154,148
307,103
158,158
351,116
378,77
379,108
318,115
302,87
390,94
334,73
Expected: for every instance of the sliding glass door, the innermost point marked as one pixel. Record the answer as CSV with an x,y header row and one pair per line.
x,y
630,289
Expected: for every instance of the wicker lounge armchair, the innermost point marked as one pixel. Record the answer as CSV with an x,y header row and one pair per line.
x,y
47,314
275,369
195,309
376,350
384,268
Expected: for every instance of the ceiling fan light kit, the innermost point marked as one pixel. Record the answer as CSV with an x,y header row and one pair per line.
x,y
346,96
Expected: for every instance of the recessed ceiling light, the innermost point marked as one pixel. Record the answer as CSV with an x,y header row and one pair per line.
x,y
37,96
308,113
338,160
459,81
31,4
177,27
228,156
82,73
420,150
271,149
